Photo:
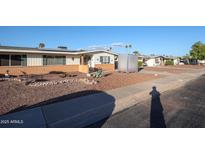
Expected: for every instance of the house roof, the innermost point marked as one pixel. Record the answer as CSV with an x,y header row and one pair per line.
x,y
39,49
49,50
156,56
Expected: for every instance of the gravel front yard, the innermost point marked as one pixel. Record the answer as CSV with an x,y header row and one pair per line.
x,y
175,69
157,69
15,95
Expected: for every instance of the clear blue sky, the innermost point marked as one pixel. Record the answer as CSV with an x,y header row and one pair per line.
x,y
148,40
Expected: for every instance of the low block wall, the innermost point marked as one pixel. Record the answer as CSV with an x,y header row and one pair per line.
x,y
17,70
106,67
83,68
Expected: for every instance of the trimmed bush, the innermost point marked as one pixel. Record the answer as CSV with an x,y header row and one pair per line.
x,y
169,62
140,63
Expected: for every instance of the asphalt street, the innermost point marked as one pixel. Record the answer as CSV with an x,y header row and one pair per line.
x,y
180,108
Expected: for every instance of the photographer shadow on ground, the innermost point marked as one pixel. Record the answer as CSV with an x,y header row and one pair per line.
x,y
156,113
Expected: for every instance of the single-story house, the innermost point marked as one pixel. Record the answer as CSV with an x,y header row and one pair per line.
x,y
44,60
154,60
160,60
176,60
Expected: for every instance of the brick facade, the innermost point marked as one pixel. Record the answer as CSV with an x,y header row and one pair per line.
x,y
106,67
17,70
83,68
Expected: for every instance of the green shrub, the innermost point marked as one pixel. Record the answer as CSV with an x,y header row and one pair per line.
x,y
140,63
169,62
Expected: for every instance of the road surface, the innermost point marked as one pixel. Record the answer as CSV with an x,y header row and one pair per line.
x,y
183,107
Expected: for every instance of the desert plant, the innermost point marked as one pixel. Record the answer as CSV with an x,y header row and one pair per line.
x,y
97,74
140,63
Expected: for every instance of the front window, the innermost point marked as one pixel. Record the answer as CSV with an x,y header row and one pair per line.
x,y
54,60
4,60
18,60
105,59
13,60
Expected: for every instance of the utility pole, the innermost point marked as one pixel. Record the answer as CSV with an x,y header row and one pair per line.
x,y
128,46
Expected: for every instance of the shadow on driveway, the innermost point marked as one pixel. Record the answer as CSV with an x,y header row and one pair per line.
x,y
156,113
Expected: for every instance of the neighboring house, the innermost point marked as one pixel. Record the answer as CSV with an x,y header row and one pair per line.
x,y
141,58
176,60
201,62
160,60
42,60
154,60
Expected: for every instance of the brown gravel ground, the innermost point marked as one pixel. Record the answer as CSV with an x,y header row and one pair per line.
x,y
175,69
188,66
116,80
15,96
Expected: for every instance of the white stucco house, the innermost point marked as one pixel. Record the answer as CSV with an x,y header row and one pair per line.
x,y
43,60
154,60
160,60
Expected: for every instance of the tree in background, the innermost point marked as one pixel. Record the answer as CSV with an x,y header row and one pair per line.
x,y
187,57
136,52
197,51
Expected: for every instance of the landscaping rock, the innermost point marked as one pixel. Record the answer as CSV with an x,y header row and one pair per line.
x,y
47,83
88,82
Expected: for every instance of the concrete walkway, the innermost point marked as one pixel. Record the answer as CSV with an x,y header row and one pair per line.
x,y
84,111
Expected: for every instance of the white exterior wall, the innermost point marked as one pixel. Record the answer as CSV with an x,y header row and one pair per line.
x,y
159,61
96,58
151,62
70,61
201,61
176,61
34,60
